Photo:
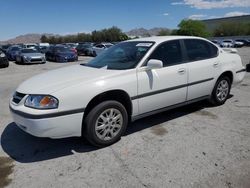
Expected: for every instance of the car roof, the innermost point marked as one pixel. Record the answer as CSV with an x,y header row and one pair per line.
x,y
160,39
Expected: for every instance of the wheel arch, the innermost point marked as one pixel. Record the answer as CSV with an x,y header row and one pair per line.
x,y
117,95
229,74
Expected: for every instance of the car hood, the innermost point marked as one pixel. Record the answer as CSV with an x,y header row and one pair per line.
x,y
52,81
33,54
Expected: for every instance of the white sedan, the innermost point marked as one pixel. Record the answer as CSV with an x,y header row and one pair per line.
x,y
130,80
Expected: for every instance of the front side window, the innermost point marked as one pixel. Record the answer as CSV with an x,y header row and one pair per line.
x,y
199,49
125,55
169,53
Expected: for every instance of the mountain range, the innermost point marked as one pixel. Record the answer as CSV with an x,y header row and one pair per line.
x,y
35,38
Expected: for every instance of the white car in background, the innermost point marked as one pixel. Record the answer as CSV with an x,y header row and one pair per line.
x,y
227,43
99,48
130,80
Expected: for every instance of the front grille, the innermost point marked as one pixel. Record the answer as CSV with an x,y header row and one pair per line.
x,y
17,97
37,59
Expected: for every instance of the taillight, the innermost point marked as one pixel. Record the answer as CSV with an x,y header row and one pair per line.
x,y
74,50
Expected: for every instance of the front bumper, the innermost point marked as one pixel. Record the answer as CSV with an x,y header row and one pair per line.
x,y
62,126
67,58
34,60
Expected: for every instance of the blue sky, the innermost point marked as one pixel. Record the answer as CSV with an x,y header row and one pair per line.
x,y
71,16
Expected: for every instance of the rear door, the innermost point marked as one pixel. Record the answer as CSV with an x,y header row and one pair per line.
x,y
203,67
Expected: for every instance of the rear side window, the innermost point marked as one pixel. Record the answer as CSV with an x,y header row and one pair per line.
x,y
199,49
169,53
214,50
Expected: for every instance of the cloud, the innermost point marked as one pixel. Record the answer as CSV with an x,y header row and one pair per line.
x,y
236,13
166,14
209,4
197,16
177,3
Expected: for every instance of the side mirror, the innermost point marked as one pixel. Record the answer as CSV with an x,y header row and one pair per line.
x,y
154,64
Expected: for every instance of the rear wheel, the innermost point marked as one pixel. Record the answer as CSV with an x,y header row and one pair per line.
x,y
105,123
221,91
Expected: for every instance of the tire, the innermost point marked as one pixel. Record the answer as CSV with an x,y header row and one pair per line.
x,y
21,62
221,91
57,59
97,130
7,64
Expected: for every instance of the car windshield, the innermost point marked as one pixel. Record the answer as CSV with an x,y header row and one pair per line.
x,y
122,56
30,46
62,49
29,51
108,45
15,48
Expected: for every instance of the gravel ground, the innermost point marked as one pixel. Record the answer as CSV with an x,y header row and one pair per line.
x,y
192,146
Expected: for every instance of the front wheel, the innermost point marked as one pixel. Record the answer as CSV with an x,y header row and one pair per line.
x,y
105,123
221,91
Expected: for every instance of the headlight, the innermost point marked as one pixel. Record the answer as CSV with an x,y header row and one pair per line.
x,y
2,55
27,57
41,102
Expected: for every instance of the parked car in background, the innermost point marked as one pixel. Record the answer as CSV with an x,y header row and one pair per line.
x,y
30,45
4,62
216,42
227,43
30,55
42,49
61,54
99,48
12,51
71,46
129,81
85,49
244,41
238,44
43,44
5,47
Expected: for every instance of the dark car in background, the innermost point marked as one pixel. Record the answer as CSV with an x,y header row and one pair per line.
x,y
4,62
71,46
42,49
85,49
5,47
12,52
61,54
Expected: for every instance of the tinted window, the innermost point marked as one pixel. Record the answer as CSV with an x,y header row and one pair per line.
x,y
214,50
169,53
99,46
199,49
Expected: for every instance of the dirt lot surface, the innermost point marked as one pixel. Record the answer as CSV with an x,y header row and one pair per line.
x,y
193,146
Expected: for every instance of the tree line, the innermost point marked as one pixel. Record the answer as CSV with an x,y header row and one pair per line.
x,y
185,27
113,34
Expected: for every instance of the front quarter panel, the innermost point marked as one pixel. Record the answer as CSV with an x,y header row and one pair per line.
x,y
79,95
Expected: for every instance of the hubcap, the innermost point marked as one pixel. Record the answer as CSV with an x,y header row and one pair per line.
x,y
108,124
222,90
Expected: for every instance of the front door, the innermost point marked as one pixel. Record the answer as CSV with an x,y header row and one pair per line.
x,y
159,88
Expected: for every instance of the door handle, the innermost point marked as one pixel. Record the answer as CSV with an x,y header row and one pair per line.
x,y
216,64
181,71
